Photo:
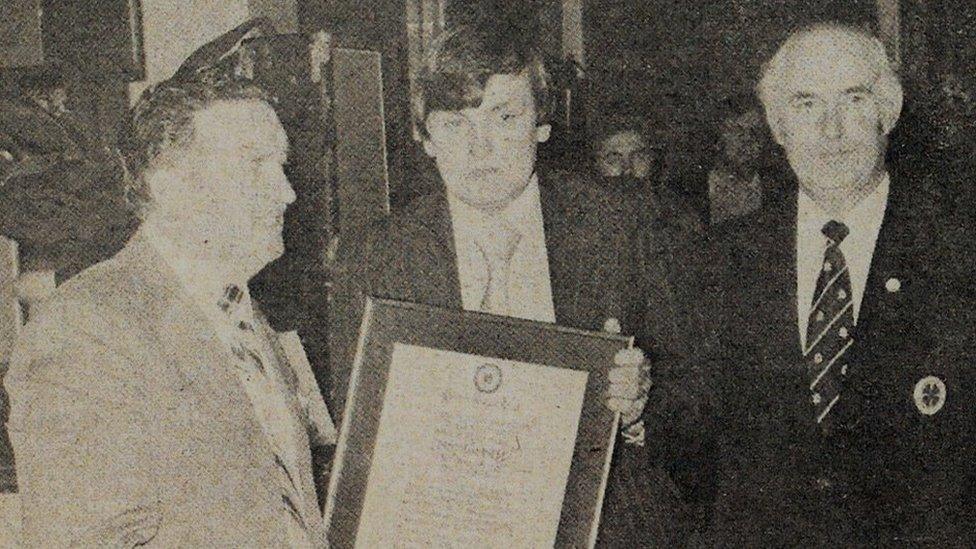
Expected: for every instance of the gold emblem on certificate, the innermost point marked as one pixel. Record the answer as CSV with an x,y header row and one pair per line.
x,y
929,395
488,378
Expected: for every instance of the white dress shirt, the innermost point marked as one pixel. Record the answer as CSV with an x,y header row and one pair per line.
x,y
863,221
529,293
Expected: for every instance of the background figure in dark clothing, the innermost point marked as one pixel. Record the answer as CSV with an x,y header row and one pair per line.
x,y
628,160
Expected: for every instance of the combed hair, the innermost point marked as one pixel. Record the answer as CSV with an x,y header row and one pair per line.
x,y
887,87
162,122
463,59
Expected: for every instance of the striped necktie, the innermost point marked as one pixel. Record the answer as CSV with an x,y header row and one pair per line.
x,y
830,326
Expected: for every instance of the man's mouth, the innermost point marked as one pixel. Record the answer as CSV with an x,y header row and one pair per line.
x,y
482,173
276,221
832,155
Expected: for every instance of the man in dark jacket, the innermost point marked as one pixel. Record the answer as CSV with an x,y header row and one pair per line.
x,y
496,236
842,394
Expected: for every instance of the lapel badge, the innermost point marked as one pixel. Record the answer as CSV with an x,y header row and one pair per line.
x,y
929,395
893,285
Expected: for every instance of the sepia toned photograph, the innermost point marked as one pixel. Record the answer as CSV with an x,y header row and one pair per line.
x,y
487,273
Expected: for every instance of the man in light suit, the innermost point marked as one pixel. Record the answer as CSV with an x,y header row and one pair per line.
x,y
149,383
497,236
844,415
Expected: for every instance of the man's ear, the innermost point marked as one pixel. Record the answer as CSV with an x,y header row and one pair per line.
x,y
542,133
156,176
890,108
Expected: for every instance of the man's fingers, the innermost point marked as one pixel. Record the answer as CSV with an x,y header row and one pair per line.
x,y
624,374
629,357
630,390
622,405
128,529
612,325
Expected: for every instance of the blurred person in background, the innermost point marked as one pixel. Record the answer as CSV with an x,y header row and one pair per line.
x,y
627,158
735,186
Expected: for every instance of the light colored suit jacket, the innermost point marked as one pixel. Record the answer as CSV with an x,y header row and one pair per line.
x,y
122,395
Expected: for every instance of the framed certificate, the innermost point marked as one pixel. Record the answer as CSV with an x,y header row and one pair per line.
x,y
470,430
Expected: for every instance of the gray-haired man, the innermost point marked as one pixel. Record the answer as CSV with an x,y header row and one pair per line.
x,y
842,417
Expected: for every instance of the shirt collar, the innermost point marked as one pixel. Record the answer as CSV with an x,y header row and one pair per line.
x,y
867,213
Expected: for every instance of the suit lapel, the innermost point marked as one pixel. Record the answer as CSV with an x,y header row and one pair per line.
x,y
897,264
768,251
285,378
557,238
893,337
189,342
432,215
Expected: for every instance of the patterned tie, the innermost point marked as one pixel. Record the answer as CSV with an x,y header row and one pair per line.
x,y
248,358
498,250
830,326
251,365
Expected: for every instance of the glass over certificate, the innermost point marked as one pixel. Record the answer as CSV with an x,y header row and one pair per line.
x,y
470,452
469,430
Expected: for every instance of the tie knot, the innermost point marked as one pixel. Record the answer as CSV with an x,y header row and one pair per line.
x,y
499,243
835,231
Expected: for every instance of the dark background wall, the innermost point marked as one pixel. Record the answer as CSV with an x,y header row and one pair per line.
x,y
686,66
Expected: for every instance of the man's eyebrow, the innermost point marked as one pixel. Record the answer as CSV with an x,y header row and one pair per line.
x,y
512,102
266,154
858,89
802,95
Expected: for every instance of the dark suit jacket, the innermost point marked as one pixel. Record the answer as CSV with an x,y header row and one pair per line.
x,y
597,271
883,472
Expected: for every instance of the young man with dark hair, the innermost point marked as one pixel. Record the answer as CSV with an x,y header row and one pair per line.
x,y
497,236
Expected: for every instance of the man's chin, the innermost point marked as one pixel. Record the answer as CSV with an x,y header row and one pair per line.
x,y
495,202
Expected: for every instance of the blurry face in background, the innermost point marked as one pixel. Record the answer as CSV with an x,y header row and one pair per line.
x,y
223,197
624,154
831,125
486,154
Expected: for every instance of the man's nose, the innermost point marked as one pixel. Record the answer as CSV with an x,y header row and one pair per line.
x,y
283,188
832,123
480,142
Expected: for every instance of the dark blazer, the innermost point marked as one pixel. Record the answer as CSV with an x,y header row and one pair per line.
x,y
597,271
883,472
